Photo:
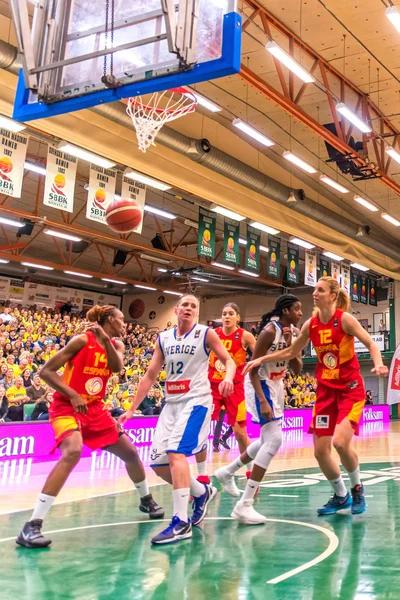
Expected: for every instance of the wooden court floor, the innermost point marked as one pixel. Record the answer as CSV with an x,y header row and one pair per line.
x,y
101,542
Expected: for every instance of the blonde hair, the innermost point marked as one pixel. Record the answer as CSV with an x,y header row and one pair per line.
x,y
342,301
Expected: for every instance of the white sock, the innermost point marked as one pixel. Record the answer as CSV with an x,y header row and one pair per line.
x,y
355,477
181,502
142,488
196,488
339,486
202,468
43,506
251,489
234,466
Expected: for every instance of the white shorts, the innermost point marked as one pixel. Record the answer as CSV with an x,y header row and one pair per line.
x,y
183,428
274,393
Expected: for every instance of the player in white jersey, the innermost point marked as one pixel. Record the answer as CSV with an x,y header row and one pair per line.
x,y
269,405
183,425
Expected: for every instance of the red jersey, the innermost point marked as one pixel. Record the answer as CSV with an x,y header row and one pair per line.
x,y
337,365
234,345
87,372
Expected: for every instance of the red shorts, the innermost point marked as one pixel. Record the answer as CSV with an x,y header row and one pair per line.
x,y
334,405
234,404
97,427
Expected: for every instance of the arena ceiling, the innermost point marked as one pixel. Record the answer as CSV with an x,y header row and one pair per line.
x,y
353,52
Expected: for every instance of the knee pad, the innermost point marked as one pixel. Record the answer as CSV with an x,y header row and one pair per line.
x,y
254,448
271,442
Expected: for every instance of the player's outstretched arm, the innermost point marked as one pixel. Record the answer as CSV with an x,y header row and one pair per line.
x,y
214,343
353,327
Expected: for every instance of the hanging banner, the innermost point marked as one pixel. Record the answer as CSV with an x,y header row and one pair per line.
x,y
363,289
13,148
231,241
393,388
310,268
324,267
274,256
60,180
292,271
335,271
355,289
345,277
253,237
135,191
206,234
372,300
101,192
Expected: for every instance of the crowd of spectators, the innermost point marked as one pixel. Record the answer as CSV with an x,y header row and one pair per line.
x,y
300,390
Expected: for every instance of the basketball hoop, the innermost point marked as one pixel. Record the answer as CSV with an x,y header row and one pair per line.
x,y
148,118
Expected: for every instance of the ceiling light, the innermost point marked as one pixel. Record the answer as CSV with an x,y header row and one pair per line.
x,y
161,270
393,153
228,213
172,293
191,223
299,162
159,185
264,249
242,241
28,264
333,256
64,236
11,222
145,287
359,267
289,62
248,273
333,184
79,274
265,228
159,212
10,125
353,118
391,220
155,259
256,135
301,243
202,101
34,168
365,203
116,196
3,261
393,15
222,266
85,155
200,279
113,281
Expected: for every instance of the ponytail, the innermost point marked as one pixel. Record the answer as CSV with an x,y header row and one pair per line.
x,y
100,314
342,300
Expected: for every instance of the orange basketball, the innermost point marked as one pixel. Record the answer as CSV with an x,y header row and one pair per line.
x,y
123,215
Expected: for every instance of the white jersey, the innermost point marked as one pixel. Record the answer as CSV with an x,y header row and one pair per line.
x,y
275,370
186,363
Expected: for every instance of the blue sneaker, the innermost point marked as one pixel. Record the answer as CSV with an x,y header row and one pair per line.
x,y
201,503
335,504
177,530
359,503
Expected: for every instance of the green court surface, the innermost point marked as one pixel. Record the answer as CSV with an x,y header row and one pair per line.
x,y
101,548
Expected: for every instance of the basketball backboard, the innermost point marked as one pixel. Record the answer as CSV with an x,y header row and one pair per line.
x,y
79,53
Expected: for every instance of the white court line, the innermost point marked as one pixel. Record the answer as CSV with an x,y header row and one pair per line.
x,y
333,539
284,495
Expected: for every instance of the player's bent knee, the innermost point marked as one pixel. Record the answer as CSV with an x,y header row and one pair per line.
x,y
340,444
72,455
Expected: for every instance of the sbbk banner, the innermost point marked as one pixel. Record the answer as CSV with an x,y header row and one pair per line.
x,y
135,191
60,180
101,192
393,388
335,271
13,148
345,277
310,265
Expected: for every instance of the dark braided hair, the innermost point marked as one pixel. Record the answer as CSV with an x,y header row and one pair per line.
x,y
101,314
284,301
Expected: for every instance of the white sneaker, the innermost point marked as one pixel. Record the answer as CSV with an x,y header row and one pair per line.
x,y
228,481
245,513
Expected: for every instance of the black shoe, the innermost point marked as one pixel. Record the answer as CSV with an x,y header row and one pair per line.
x,y
225,444
31,536
149,505
216,447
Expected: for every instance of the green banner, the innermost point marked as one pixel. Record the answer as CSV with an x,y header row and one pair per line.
x,y
363,289
253,237
292,271
206,235
231,241
354,286
324,267
274,256
372,299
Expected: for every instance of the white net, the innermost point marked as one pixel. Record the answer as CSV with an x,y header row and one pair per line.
x,y
148,117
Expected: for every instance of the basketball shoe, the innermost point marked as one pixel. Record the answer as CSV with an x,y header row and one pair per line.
x,y
359,504
200,504
31,535
335,504
149,505
177,530
228,481
245,513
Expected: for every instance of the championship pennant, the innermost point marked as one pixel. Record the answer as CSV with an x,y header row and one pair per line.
x,y
60,180
310,265
101,192
13,148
